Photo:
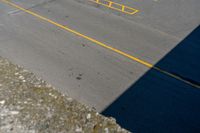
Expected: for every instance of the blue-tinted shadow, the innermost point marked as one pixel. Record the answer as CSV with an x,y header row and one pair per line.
x,y
157,103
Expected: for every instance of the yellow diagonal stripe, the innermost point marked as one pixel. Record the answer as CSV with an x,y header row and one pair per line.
x,y
116,6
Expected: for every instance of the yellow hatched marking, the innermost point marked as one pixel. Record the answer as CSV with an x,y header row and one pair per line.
x,y
116,6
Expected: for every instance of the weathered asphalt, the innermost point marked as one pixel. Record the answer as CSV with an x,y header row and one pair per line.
x,y
82,69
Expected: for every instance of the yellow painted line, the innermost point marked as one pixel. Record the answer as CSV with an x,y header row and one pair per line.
x,y
116,6
101,44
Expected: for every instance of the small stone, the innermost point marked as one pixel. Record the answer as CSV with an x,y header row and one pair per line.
x,y
17,73
69,99
88,116
78,130
25,70
21,77
14,112
2,102
38,86
106,130
48,86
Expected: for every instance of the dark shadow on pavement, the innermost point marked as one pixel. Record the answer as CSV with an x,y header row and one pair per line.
x,y
157,103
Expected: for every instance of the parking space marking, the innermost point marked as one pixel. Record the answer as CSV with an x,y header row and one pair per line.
x,y
102,44
116,6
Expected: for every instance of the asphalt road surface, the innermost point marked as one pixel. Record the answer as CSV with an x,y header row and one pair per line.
x,y
99,76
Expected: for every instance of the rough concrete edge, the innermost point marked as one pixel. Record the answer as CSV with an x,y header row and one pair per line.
x,y
30,105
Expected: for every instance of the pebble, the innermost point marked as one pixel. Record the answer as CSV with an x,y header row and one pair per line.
x,y
78,130
21,77
17,73
2,102
106,130
88,116
14,112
